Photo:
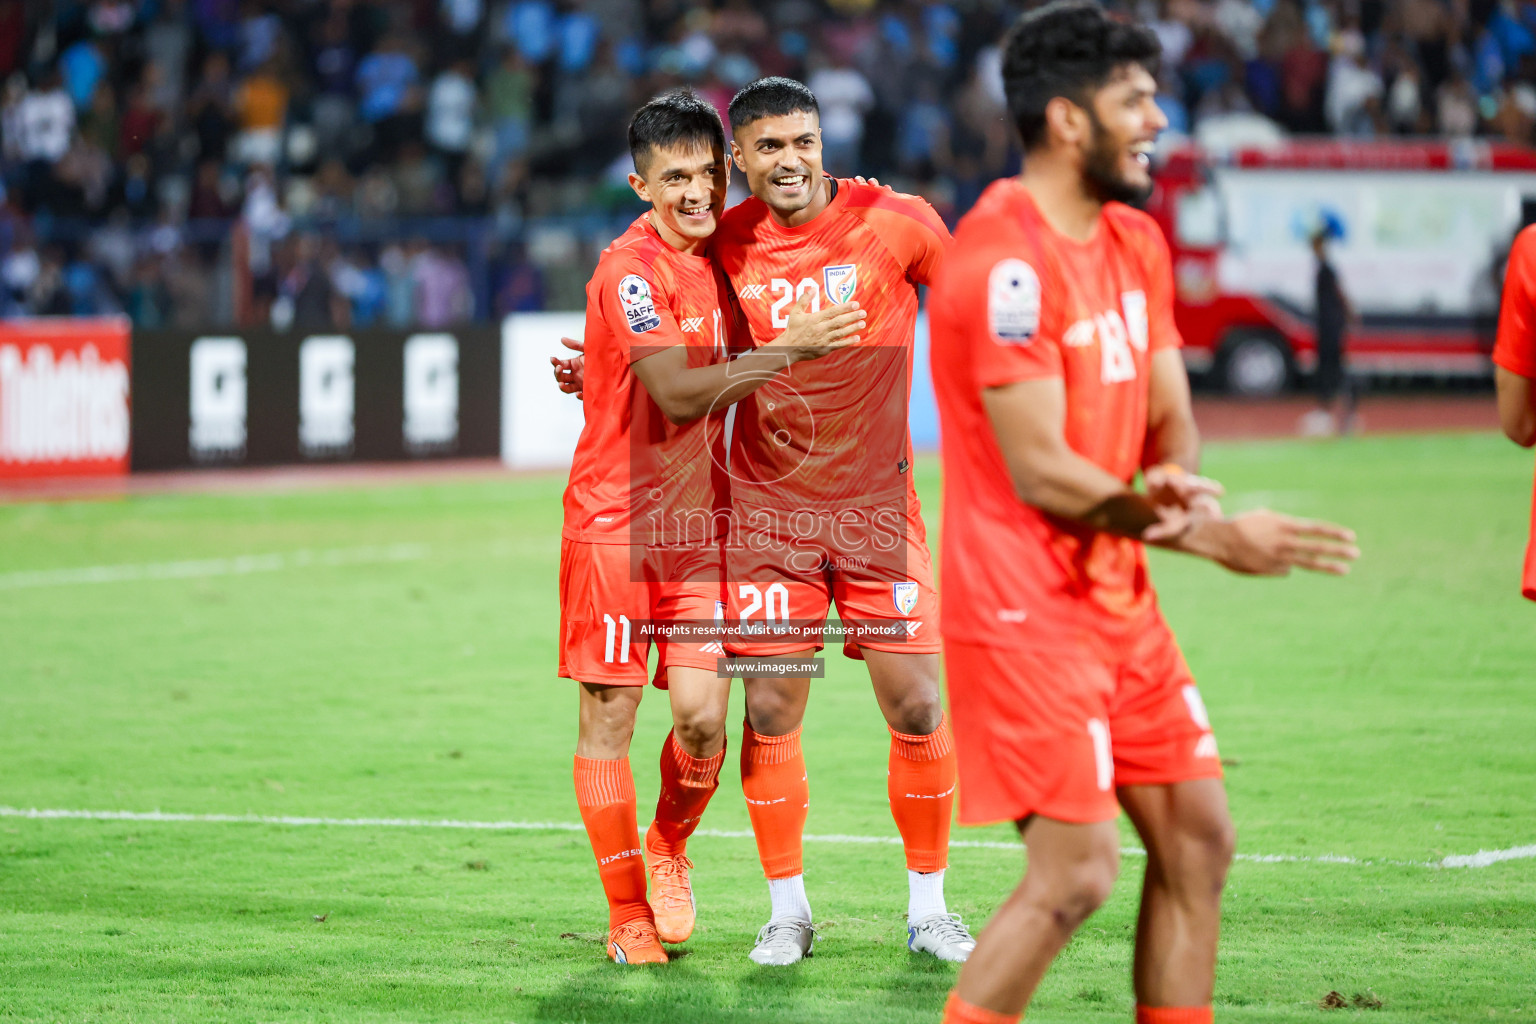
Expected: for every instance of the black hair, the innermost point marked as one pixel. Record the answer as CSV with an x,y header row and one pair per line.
x,y
771,97
674,117
1068,48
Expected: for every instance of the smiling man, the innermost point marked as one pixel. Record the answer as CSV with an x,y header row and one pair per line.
x,y
824,509
640,542
1058,376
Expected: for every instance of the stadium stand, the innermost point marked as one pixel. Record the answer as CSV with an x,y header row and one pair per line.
x,y
216,162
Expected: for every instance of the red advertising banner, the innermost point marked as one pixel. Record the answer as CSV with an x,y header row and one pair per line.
x,y
63,397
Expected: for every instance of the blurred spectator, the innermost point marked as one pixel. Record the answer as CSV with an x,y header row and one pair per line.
x,y
306,299
261,104
1351,86
509,100
1456,106
845,98
42,125
442,292
451,114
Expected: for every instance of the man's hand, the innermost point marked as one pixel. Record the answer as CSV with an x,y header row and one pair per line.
x,y
1265,543
1168,484
1183,500
570,373
813,335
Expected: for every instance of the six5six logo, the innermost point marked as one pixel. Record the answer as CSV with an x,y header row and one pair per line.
x,y
639,307
837,284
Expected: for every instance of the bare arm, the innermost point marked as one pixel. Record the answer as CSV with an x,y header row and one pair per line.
x,y
1028,418
1172,437
1517,406
685,393
1172,454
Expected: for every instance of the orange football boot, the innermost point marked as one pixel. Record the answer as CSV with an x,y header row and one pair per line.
x,y
635,942
671,896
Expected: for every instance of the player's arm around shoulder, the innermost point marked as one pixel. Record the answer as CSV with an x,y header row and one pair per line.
x,y
685,393
1514,354
908,226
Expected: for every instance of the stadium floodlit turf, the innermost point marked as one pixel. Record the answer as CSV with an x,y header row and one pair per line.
x,y
393,656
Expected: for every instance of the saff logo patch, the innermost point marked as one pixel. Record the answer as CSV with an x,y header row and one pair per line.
x,y
904,596
639,308
1013,302
838,283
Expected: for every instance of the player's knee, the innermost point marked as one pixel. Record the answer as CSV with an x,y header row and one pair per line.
x,y
607,721
1092,880
771,713
699,729
918,712
1217,845
1206,849
1084,890
1071,892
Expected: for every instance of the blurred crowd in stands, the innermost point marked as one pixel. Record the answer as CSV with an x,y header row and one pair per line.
x,y
417,162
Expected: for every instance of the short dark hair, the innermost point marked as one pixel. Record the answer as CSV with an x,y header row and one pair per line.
x,y
771,97
1067,48
673,117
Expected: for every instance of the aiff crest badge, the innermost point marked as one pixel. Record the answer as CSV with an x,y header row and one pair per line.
x,y
904,595
839,282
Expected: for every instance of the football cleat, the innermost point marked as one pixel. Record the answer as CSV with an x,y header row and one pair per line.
x,y
943,935
635,942
672,896
784,942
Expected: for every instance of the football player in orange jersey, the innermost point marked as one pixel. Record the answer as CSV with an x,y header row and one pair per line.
x,y
1058,375
824,509
639,544
1514,359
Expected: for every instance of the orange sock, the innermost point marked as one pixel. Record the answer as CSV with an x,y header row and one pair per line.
x,y
778,797
1174,1014
605,793
921,785
687,783
958,1011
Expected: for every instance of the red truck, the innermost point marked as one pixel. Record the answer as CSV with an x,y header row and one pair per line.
x,y
1423,229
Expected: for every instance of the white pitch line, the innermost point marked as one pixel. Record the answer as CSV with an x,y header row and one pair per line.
x,y
1481,859
201,568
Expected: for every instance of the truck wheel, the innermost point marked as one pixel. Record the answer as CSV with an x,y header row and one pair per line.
x,y
1254,364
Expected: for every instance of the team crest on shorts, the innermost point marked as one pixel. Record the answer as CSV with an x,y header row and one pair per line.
x,y
904,595
838,283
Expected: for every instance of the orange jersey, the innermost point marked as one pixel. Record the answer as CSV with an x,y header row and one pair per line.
x,y
1515,350
831,433
634,467
1018,301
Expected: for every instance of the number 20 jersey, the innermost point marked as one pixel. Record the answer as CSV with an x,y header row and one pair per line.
x,y
831,433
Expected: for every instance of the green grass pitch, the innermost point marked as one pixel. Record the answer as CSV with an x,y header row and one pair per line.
x,y
1387,717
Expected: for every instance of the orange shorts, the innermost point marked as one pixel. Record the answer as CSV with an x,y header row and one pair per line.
x,y
605,603
1055,732
786,570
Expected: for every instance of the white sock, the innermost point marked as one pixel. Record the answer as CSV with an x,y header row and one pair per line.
x,y
789,900
925,895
